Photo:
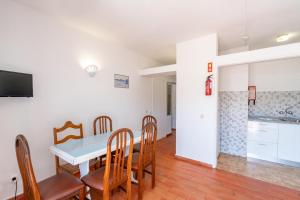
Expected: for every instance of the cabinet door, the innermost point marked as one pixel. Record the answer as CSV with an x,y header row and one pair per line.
x,y
262,150
289,142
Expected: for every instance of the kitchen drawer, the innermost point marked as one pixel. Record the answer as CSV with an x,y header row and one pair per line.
x,y
263,135
262,150
254,125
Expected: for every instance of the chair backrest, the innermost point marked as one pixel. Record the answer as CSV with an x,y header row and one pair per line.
x,y
56,131
104,124
66,126
147,119
121,172
30,187
148,144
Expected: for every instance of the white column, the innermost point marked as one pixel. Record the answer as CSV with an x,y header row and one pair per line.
x,y
196,131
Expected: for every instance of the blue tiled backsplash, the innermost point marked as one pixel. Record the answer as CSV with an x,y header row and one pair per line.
x,y
270,103
234,111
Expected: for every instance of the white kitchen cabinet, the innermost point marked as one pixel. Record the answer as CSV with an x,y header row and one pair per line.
x,y
263,132
262,140
289,142
276,142
262,150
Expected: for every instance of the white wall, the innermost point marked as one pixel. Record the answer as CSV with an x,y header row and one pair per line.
x,y
196,130
233,78
278,75
160,105
33,43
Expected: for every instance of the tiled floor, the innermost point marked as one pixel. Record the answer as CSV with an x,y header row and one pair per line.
x,y
266,171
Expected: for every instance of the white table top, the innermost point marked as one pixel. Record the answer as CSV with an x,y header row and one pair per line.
x,y
90,147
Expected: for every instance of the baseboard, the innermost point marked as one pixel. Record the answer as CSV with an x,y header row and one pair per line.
x,y
19,197
194,162
169,134
172,131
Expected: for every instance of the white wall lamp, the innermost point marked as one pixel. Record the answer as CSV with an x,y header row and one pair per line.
x,y
91,70
283,37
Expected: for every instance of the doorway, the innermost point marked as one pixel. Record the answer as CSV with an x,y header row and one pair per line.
x,y
171,103
173,107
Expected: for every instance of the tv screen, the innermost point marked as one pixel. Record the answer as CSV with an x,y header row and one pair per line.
x,y
14,84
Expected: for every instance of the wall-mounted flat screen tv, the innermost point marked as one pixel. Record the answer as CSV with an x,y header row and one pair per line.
x,y
14,84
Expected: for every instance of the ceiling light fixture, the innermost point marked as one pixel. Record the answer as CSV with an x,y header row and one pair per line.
x,y
283,38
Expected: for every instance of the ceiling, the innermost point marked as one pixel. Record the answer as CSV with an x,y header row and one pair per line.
x,y
153,27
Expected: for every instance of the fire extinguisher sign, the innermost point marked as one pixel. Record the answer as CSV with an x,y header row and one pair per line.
x,y
209,67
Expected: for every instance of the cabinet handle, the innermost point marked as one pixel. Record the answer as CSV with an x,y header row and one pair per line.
x,y
264,131
262,144
263,124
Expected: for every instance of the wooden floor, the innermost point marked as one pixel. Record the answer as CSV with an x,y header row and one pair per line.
x,y
178,180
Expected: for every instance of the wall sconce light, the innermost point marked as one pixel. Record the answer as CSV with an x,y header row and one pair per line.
x,y
91,70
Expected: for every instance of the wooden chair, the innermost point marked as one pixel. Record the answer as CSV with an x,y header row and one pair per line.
x,y
60,186
104,125
146,120
72,169
146,156
102,181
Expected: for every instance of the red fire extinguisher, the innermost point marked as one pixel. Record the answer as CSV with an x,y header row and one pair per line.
x,y
208,85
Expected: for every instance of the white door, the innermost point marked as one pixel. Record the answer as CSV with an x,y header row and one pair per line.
x,y
173,105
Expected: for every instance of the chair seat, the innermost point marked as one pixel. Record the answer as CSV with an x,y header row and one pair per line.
x,y
136,147
95,178
103,157
135,162
74,169
59,186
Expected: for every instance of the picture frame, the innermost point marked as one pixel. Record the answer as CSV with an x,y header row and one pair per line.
x,y
121,81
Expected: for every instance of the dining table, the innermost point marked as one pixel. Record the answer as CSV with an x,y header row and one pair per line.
x,y
81,151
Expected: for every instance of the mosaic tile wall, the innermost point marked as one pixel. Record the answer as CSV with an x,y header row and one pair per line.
x,y
270,103
234,111
233,107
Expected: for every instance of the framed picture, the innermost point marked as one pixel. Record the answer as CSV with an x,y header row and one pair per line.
x,y
121,81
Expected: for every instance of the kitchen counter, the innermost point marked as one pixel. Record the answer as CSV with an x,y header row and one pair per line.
x,y
281,120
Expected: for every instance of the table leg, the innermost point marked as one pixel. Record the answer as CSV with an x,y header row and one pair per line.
x,y
84,170
133,180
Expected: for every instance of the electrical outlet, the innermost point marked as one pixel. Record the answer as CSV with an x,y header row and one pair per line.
x,y
14,179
